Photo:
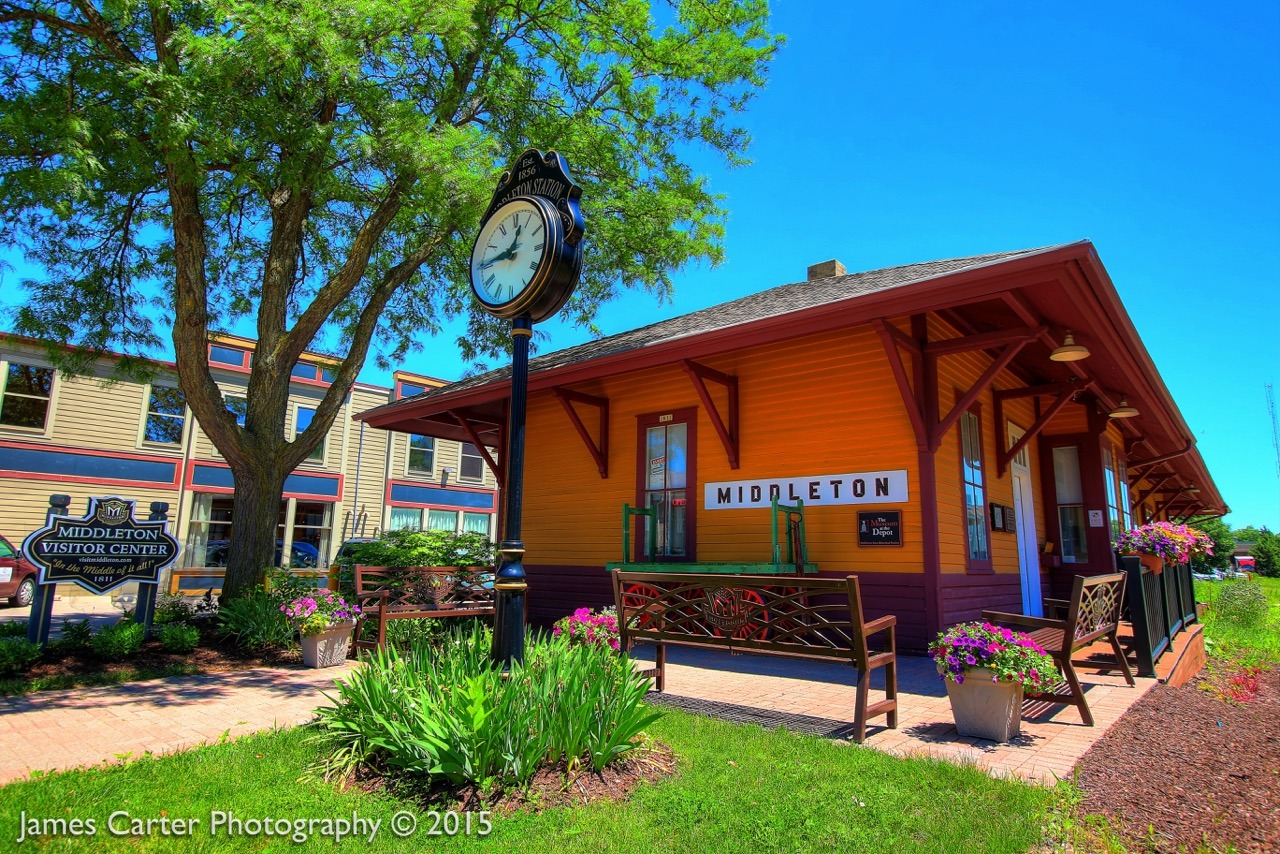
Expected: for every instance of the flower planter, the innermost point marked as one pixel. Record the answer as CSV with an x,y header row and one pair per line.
x,y
986,709
1154,563
329,648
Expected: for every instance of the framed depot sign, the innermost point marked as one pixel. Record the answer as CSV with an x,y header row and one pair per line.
x,y
102,550
880,528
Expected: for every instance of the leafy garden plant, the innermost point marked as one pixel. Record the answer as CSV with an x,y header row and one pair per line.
x,y
172,608
255,622
1243,603
17,654
449,713
13,629
584,627
119,641
1011,656
179,637
319,611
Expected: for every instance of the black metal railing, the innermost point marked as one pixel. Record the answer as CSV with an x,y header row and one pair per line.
x,y
1161,604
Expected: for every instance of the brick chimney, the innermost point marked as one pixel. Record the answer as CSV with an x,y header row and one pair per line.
x,y
826,270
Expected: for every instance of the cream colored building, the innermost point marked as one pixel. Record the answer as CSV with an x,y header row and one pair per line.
x,y
83,436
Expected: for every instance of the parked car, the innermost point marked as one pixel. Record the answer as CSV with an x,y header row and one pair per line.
x,y
17,576
301,555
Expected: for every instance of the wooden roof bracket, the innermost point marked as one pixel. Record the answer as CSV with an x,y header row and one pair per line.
x,y
1143,496
1168,501
465,423
726,428
983,382
891,337
1066,393
985,340
1141,464
599,450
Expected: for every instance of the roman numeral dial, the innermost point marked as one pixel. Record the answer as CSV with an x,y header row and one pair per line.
x,y
510,258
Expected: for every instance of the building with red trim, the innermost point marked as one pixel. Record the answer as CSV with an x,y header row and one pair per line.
x,y
938,395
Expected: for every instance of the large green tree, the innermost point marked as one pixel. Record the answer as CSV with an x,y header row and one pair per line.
x,y
1266,552
1223,542
316,169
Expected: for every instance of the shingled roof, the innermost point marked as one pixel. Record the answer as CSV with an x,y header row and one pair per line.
x,y
773,302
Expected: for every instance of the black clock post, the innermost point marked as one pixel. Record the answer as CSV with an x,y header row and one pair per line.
x,y
510,584
524,266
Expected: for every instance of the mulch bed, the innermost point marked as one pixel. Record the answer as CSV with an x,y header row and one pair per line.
x,y
550,787
1194,768
212,656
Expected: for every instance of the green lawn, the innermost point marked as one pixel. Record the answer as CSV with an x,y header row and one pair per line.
x,y
1249,646
739,788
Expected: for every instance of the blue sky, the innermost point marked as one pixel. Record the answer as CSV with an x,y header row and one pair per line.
x,y
903,132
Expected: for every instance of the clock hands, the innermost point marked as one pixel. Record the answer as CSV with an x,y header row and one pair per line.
x,y
510,251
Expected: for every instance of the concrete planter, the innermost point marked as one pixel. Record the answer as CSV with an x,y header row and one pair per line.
x,y
329,648
986,709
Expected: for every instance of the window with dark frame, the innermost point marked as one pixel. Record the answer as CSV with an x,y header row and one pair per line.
x,y
1069,494
422,453
1110,475
973,478
472,464
166,415
28,389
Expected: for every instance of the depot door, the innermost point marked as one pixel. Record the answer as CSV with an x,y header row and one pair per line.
x,y
1024,516
667,483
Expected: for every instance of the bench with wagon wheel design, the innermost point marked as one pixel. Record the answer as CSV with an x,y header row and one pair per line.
x,y
809,618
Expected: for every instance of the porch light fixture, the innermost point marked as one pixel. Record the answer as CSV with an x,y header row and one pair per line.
x,y
1070,351
1124,410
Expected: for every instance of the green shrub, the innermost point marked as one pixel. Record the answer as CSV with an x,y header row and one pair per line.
x,y
13,629
76,634
255,622
1243,603
179,637
17,654
172,609
283,586
450,713
118,642
406,634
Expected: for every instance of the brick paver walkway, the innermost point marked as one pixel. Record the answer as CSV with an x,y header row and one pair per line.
x,y
52,730
1053,737
164,715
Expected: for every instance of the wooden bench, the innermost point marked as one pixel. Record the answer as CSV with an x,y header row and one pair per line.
x,y
386,593
796,617
1091,613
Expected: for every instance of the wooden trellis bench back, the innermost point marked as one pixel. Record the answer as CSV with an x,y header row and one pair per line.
x,y
1092,613
796,617
408,592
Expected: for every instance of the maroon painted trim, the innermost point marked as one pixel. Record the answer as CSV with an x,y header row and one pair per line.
x,y
689,417
909,400
1004,457
1092,491
728,434
974,566
599,452
976,391
926,379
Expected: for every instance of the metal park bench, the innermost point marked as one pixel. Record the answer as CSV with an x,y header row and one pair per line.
x,y
1092,613
810,618
386,593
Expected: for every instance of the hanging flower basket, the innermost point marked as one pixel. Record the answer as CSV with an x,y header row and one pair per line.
x,y
1164,542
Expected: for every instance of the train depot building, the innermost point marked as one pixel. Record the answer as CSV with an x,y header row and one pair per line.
x,y
963,434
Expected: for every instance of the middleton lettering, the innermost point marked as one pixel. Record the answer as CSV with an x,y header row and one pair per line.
x,y
877,487
105,549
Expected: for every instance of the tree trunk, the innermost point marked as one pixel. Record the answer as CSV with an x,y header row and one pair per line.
x,y
255,518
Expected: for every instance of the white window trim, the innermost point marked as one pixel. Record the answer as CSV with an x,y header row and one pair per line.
x,y
322,460
143,441
47,431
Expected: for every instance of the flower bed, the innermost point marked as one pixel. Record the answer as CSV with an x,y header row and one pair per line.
x,y
451,714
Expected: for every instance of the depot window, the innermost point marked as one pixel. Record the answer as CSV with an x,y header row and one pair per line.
x,y
1070,495
973,478
472,465
27,392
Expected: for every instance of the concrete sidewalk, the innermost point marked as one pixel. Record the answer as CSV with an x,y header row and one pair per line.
x,y
57,730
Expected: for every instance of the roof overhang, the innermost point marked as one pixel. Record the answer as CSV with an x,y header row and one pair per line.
x,y
1065,287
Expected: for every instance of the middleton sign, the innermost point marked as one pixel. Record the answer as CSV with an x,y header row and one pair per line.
x,y
873,487
106,548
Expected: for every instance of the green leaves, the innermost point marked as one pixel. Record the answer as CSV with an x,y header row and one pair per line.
x,y
445,710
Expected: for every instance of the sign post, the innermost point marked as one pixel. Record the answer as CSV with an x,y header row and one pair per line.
x,y
100,551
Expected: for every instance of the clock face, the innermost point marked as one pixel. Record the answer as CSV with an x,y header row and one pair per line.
x,y
511,255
